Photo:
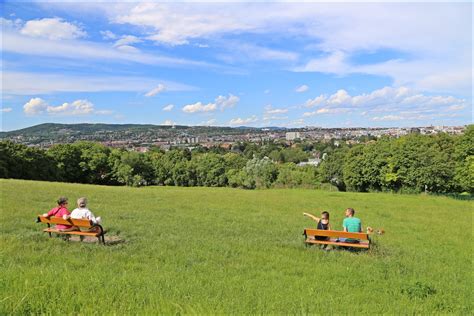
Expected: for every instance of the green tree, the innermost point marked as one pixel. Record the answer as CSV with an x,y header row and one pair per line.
x,y
464,161
332,168
68,158
94,162
210,170
21,162
263,172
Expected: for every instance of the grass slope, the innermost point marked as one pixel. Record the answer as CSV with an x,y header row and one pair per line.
x,y
220,250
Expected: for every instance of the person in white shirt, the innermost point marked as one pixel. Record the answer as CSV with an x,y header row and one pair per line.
x,y
82,212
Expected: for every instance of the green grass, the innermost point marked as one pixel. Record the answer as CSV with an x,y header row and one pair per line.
x,y
221,250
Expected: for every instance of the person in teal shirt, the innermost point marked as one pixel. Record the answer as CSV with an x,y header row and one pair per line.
x,y
351,224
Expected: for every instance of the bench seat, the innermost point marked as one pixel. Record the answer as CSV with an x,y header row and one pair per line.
x,y
333,238
334,241
74,232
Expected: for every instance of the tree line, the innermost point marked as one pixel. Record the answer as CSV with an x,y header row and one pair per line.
x,y
414,163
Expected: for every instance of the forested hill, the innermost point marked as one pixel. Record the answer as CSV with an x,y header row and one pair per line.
x,y
87,128
48,128
51,133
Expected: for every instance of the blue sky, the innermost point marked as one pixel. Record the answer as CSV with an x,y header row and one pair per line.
x,y
287,64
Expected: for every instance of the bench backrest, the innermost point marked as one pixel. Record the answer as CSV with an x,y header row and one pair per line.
x,y
335,233
71,222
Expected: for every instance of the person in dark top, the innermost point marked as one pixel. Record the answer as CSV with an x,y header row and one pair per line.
x,y
322,223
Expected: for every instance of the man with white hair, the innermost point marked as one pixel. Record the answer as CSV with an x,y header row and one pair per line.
x,y
82,212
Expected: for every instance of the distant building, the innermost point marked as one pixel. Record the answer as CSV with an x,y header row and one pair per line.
x,y
310,162
292,136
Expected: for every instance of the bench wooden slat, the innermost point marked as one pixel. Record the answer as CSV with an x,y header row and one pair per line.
x,y
74,232
339,243
71,222
335,233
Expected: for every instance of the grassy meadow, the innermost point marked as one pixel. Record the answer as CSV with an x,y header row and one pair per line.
x,y
230,251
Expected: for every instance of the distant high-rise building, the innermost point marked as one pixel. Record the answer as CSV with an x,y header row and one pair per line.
x,y
292,136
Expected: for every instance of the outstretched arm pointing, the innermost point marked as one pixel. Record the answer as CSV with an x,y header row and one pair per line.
x,y
314,218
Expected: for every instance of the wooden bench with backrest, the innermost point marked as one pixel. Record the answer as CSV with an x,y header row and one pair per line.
x,y
80,223
334,237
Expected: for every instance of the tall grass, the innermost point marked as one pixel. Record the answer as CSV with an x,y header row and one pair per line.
x,y
221,250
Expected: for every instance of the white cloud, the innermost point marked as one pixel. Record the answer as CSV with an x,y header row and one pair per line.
x,y
128,49
78,107
267,91
158,89
339,98
270,110
226,102
388,118
334,62
168,108
277,111
108,35
53,29
315,102
457,107
177,24
123,44
272,114
38,106
221,102
240,51
387,99
127,40
429,74
275,118
302,88
243,121
35,106
24,83
6,110
10,24
84,50
327,111
199,107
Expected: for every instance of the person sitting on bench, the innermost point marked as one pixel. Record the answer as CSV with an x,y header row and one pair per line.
x,y
351,224
82,212
322,223
60,211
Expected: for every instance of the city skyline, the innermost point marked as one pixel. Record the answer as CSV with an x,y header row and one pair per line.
x,y
235,64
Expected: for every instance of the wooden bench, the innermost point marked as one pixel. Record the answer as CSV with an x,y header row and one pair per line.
x,y
333,238
81,223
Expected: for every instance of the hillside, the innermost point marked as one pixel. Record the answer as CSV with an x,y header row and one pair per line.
x,y
219,250
52,133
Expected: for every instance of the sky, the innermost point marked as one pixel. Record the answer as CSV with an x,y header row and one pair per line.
x,y
288,64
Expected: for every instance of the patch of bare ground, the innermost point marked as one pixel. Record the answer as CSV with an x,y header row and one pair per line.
x,y
109,240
